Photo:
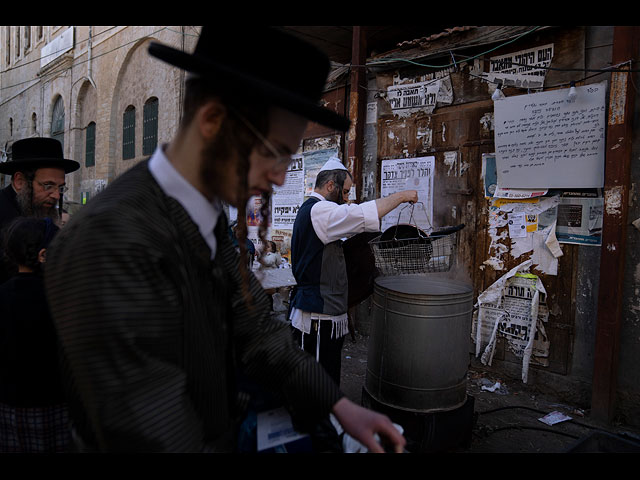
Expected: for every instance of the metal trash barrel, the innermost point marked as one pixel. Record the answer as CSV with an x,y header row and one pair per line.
x,y
418,354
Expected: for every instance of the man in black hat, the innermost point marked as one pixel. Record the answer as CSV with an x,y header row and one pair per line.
x,y
37,168
156,311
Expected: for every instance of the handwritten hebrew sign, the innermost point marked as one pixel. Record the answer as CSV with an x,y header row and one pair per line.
x,y
545,140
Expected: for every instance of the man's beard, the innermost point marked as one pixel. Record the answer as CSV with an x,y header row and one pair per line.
x,y
221,158
336,196
28,209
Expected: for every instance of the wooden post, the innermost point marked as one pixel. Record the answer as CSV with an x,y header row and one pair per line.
x,y
357,107
614,232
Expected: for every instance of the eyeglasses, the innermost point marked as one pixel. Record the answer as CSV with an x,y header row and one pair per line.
x,y
47,187
283,160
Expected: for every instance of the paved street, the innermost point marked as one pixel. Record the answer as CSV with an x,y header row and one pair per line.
x,y
506,416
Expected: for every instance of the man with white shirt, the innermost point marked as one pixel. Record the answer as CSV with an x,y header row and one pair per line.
x,y
158,316
319,300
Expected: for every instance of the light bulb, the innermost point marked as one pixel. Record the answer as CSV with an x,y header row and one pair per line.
x,y
498,94
572,92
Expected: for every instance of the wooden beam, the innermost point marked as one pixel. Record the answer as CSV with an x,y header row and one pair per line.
x,y
357,107
614,232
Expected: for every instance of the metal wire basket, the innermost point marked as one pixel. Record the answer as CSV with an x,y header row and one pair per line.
x,y
422,253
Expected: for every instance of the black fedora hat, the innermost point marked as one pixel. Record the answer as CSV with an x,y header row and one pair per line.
x,y
282,69
37,152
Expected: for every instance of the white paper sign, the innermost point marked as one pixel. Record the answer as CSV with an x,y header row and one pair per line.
x,y
525,68
287,198
544,140
413,96
409,174
275,428
517,225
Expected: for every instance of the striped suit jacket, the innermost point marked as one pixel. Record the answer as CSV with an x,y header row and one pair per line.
x,y
152,330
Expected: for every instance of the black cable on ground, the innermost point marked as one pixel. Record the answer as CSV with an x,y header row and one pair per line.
x,y
541,429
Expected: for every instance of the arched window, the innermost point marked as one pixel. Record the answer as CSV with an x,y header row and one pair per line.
x,y
90,145
57,122
150,126
129,133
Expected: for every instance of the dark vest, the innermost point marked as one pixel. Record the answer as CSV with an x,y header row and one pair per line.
x,y
319,269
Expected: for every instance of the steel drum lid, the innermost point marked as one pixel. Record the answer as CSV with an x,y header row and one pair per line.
x,y
422,285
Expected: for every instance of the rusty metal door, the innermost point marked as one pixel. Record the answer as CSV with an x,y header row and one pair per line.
x,y
457,137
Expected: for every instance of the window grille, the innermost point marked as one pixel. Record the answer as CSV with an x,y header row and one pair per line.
x,y
129,133
57,122
90,145
150,126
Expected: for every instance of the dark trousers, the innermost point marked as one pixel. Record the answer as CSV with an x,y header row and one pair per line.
x,y
330,348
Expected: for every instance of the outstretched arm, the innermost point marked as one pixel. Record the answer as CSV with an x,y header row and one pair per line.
x,y
386,204
362,424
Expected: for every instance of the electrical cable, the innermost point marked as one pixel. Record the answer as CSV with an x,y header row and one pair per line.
x,y
393,60
79,43
536,411
541,429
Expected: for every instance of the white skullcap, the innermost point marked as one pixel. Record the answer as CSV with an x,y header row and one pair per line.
x,y
333,163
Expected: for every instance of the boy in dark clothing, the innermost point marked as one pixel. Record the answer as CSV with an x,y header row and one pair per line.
x,y
33,416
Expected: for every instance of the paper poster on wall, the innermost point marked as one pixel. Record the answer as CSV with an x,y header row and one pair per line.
x,y
580,216
514,308
409,174
491,188
524,68
489,174
313,162
408,98
545,140
287,198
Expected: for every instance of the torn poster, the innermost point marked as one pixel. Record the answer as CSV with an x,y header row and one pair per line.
x,y
531,225
409,98
513,308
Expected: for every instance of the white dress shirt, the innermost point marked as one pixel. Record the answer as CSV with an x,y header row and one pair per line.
x,y
333,222
204,213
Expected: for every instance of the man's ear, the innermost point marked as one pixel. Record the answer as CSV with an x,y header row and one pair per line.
x,y
19,181
210,117
42,255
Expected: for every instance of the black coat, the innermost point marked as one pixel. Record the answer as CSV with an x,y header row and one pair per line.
x,y
9,210
153,330
29,365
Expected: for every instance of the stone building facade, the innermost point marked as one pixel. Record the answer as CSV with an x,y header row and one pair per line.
x,y
96,89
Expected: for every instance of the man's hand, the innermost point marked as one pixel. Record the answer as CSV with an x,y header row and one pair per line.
x,y
410,196
362,424
386,204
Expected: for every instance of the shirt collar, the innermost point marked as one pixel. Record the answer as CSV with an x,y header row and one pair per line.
x,y
204,213
317,195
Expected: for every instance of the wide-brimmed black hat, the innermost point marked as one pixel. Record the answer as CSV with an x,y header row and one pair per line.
x,y
37,152
282,69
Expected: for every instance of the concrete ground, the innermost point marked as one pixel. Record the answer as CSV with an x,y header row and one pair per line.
x,y
506,415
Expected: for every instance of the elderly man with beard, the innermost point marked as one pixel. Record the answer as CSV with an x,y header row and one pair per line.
x,y
37,168
157,314
319,300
